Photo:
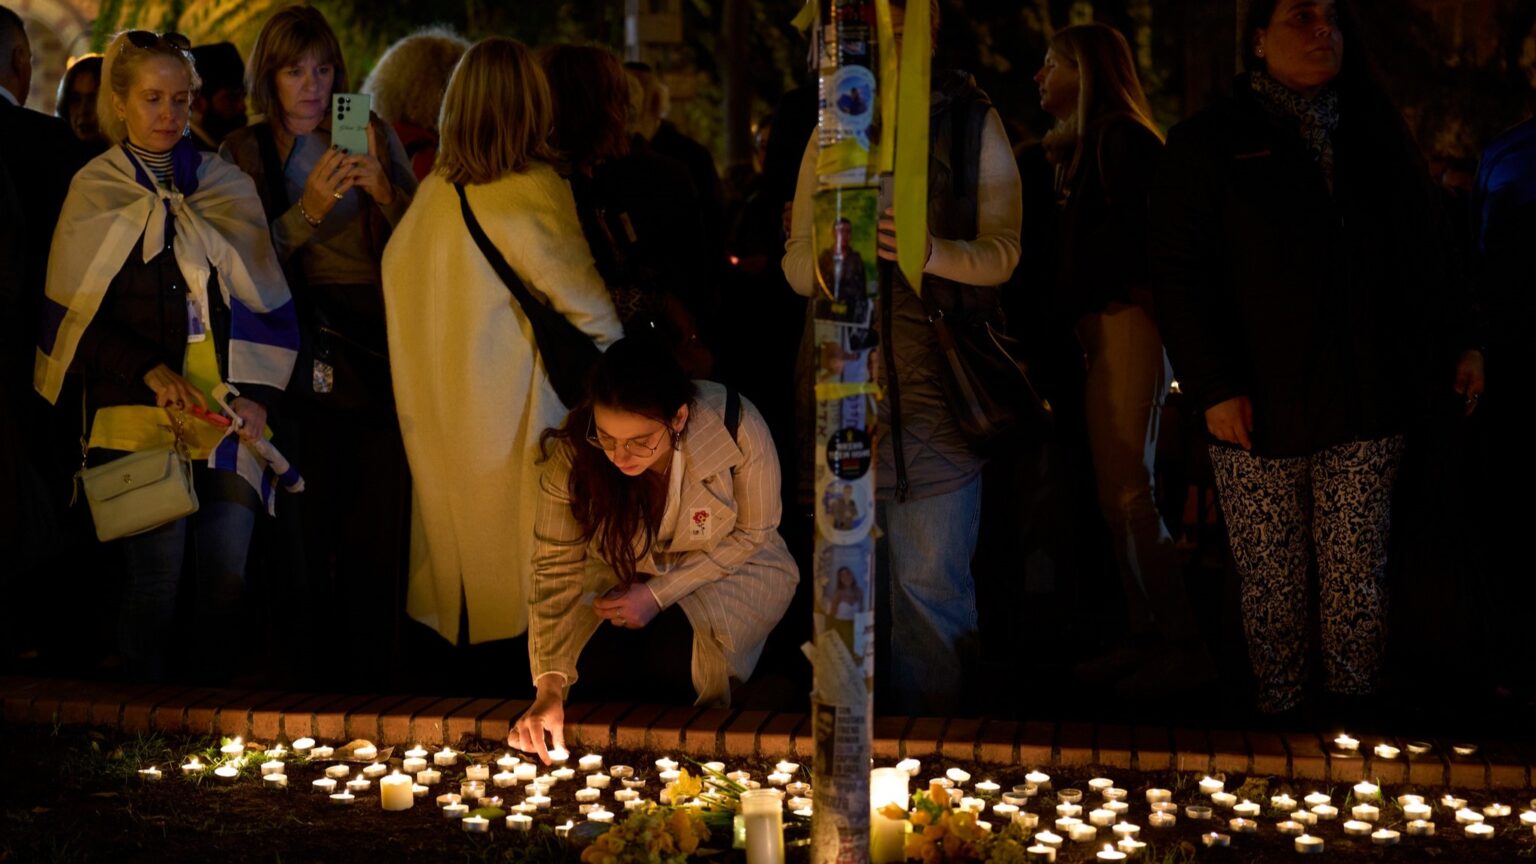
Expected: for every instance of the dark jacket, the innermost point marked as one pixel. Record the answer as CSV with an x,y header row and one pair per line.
x,y
142,322
1338,312
1102,240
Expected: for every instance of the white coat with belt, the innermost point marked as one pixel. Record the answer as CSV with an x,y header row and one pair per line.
x,y
471,390
725,564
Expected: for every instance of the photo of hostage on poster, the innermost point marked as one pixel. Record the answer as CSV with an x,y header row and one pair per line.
x,y
844,240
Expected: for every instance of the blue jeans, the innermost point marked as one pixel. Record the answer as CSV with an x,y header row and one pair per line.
x,y
216,538
929,545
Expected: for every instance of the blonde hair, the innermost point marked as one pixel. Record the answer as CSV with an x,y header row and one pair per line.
x,y
496,114
407,83
120,66
286,38
1107,88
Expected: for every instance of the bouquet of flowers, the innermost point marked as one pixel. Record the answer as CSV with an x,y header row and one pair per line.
x,y
651,835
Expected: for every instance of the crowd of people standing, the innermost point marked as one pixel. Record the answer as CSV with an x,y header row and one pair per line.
x,y
1283,254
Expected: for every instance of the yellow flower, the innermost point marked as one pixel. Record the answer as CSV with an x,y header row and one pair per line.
x,y
893,811
610,842
685,787
921,818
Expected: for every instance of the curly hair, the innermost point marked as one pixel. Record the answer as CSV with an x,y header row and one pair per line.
x,y
407,83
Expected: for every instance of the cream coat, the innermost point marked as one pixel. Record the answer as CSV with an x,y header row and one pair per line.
x,y
471,391
726,565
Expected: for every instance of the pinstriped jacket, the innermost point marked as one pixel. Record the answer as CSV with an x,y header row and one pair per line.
x,y
726,565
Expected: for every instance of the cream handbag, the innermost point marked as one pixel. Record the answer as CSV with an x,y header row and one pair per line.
x,y
141,491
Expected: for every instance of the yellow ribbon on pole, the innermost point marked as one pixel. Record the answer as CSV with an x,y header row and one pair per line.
x,y
911,194
890,69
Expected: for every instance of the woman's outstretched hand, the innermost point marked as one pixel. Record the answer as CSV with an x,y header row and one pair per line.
x,y
632,607
546,716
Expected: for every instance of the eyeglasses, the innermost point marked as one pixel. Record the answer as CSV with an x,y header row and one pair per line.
x,y
150,39
634,446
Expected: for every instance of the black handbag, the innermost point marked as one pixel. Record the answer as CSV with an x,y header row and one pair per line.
x,y
568,353
987,387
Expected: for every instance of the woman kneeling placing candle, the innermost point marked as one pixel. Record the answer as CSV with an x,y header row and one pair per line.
x,y
657,514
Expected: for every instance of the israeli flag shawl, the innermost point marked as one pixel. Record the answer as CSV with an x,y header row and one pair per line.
x,y
220,227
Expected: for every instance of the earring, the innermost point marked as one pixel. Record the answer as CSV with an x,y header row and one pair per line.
x,y
1260,52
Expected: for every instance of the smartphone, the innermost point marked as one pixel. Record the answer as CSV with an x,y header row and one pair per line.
x,y
349,121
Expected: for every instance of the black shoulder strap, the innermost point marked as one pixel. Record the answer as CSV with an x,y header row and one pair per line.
x,y
493,255
275,195
732,412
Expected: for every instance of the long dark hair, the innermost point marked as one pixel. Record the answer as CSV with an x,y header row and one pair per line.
x,y
637,376
591,100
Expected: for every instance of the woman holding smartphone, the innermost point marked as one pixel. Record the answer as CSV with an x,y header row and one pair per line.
x,y
331,213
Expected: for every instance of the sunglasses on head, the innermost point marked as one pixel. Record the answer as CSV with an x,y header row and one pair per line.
x,y
150,39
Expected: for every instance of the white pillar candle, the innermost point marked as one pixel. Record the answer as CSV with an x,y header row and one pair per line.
x,y
1210,785
1356,828
988,788
445,757
1247,809
357,785
343,798
1131,847
525,772
1162,820
1385,837
1317,798
447,798
1117,807
233,748
395,792
456,811
1282,802
520,822
1122,830
1480,831
1291,829
600,815
1366,812
763,816
150,774
1421,828
413,764
1099,784
1109,853
1325,812
1224,800
1386,751
303,746
366,753
1417,811
504,779
590,762
563,774
1038,854
1367,790
540,801
1347,744
1306,844
1046,838
558,755
1101,818
1155,796
321,752
375,771
419,791
1242,826
274,781
1198,812
429,776
476,824
1071,796
324,784
192,766
1115,793
1216,841
477,772
1497,811
1083,833
226,772
1305,817
1465,816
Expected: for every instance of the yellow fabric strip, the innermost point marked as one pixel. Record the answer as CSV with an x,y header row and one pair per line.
x,y
840,157
911,198
890,69
805,17
141,427
833,391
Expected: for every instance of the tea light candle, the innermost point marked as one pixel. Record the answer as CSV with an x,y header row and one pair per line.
x,y
1117,807
366,753
1356,828
150,774
1366,812
1421,828
338,772
1247,809
1101,818
1069,809
600,815
1109,853
1282,802
447,798
1317,798
1026,790
1242,826
429,776
504,779
1419,748
665,764
958,775
1417,811
540,801
620,771
417,752
587,796
192,766
1464,749
563,774
1038,854
1131,847
456,811
445,757
1347,744
987,788
1386,751
1157,796
1027,821
1306,844
1005,812
357,785
1115,793
598,781
525,772
1071,796
1046,838
564,830
477,772
1497,811
1405,800
1528,817
1385,837
343,798
622,795
911,766
476,824
1326,812
233,748
1450,802
413,765
520,822
558,755
1099,784
1480,831
778,778
472,790
1291,829
375,771
590,762
535,789
636,803
324,784
1367,790
1224,800
271,767
1210,785
1039,779
395,792
1083,833
1305,817
303,746
1165,807
274,781
1122,830
226,772
798,788
419,791
1198,812
1216,841
321,752
1465,816
1162,820
1066,823
737,776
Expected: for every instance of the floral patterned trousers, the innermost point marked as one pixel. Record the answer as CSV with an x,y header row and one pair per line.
x,y
1335,507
